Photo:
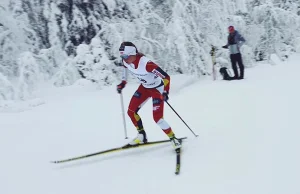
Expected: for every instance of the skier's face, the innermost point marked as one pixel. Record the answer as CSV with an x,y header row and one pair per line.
x,y
231,29
130,59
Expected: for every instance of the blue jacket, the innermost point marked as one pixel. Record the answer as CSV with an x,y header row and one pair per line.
x,y
234,42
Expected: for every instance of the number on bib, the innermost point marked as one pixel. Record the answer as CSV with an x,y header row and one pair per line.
x,y
142,80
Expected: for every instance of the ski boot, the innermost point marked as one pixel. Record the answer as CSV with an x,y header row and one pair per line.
x,y
140,138
176,143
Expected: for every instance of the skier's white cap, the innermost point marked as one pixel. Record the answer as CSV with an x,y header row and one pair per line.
x,y
127,50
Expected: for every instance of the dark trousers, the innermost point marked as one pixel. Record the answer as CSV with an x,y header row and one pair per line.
x,y
237,59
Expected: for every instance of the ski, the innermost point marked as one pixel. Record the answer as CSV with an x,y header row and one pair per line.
x,y
177,161
178,152
125,147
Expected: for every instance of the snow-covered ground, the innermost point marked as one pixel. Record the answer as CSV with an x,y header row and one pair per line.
x,y
248,140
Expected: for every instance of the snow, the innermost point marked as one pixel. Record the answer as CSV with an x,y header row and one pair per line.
x,y
248,138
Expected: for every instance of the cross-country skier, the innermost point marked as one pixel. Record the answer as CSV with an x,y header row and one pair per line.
x,y
155,84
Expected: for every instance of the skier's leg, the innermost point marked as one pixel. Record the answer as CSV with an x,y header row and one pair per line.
x,y
138,99
158,114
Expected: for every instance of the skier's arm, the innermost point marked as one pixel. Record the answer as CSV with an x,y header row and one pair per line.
x,y
124,74
155,69
122,85
241,39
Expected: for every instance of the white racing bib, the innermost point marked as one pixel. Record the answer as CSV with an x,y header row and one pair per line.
x,y
147,79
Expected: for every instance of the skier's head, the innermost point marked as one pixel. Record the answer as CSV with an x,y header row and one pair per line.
x,y
231,29
128,51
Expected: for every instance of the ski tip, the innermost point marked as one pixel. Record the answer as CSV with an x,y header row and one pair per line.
x,y
54,162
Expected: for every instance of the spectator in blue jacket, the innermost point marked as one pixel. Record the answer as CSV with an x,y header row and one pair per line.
x,y
234,43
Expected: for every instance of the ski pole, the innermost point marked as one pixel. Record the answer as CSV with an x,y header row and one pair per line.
x,y
181,118
123,113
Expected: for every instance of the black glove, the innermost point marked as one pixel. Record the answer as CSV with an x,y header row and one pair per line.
x,y
121,86
225,46
166,95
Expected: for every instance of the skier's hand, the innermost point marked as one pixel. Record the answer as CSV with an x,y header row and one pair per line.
x,y
121,86
166,95
225,46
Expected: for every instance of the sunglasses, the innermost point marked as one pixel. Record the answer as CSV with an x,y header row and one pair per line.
x,y
125,56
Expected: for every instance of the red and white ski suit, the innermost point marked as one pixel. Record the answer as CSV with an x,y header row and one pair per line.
x,y
154,81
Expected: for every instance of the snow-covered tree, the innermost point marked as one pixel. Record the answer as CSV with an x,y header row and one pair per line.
x,y
69,39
